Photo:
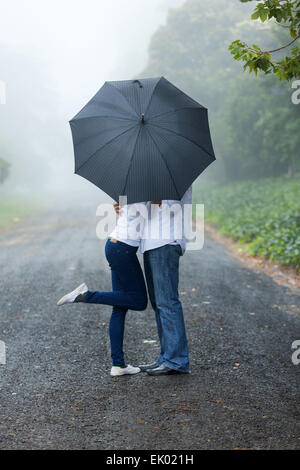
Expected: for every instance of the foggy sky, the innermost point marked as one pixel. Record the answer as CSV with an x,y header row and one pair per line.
x,y
54,56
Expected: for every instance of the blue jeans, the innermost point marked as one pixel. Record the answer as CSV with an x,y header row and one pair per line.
x,y
129,292
162,275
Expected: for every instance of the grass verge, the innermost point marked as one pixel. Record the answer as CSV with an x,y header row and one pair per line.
x,y
14,210
264,214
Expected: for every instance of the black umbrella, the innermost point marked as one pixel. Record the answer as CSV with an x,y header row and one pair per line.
x,y
144,139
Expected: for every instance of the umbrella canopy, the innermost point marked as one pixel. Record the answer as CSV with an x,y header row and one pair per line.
x,y
144,139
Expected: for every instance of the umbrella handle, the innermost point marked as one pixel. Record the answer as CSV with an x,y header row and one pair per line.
x,y
137,81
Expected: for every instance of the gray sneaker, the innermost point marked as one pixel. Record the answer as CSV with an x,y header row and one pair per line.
x,y
70,298
145,367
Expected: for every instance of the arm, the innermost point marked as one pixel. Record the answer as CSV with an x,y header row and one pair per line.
x,y
118,208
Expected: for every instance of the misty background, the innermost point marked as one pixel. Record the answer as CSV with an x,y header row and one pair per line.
x,y
54,56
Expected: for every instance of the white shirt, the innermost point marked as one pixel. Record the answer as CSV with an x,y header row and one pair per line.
x,y
168,224
130,224
149,226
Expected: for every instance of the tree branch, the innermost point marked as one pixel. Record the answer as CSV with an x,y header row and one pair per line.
x,y
274,50
283,47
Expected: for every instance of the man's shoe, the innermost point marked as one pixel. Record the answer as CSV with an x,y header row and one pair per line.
x,y
70,298
145,367
116,371
162,370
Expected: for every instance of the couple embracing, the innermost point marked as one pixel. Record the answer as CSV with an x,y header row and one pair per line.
x,y
161,253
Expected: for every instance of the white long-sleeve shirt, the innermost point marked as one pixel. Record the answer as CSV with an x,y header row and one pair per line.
x,y
130,224
168,224
150,226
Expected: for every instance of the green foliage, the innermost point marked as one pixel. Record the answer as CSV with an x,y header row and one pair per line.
x,y
191,49
265,214
286,14
254,125
263,129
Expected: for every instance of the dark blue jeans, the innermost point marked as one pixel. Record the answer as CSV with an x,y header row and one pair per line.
x,y
129,292
162,274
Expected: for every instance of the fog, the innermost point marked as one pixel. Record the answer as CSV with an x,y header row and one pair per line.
x,y
54,56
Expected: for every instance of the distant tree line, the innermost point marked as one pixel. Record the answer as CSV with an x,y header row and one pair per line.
x,y
255,126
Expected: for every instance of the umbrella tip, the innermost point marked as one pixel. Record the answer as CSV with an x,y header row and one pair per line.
x,y
143,118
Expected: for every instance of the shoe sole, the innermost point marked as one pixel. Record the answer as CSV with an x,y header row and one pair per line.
x,y
127,373
170,372
144,368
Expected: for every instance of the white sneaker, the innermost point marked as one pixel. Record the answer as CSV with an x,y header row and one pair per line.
x,y
69,298
115,371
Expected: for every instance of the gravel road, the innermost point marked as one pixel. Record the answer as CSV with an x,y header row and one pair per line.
x,y
55,388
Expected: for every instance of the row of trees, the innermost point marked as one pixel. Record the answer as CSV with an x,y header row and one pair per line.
x,y
255,126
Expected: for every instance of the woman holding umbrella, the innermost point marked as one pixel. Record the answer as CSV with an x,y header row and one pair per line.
x,y
129,290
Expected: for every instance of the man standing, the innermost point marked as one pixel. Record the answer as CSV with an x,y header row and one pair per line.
x,y
161,264
162,245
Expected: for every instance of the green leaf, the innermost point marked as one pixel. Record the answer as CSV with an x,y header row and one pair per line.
x,y
293,33
255,15
263,16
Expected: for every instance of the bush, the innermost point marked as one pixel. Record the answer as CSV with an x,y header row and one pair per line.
x,y
263,213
